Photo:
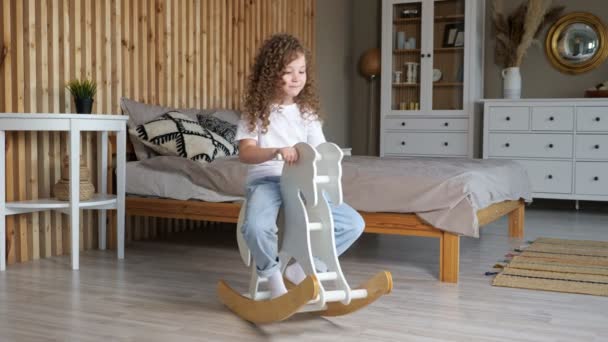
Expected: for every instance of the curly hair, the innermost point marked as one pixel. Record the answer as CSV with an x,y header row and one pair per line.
x,y
264,84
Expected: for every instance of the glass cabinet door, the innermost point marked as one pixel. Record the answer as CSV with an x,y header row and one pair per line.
x,y
406,53
448,55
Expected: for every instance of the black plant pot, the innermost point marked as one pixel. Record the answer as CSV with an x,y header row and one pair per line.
x,y
84,106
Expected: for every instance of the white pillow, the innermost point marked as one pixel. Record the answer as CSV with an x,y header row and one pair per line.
x,y
176,134
140,113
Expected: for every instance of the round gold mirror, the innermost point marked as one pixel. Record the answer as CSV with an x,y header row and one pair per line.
x,y
576,43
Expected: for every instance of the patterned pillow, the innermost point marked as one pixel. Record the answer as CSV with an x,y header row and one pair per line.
x,y
177,134
139,113
218,126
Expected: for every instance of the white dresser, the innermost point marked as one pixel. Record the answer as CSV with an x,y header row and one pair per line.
x,y
562,143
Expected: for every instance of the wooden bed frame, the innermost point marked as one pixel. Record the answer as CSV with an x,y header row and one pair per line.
x,y
379,223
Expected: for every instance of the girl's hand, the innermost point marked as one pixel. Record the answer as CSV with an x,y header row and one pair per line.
x,y
289,154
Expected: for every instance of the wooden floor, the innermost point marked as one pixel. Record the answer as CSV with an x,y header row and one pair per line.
x,y
165,291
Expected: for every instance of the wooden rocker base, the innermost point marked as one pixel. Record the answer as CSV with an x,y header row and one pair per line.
x,y
377,286
272,310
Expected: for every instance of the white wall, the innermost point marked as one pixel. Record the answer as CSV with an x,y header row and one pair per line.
x,y
346,28
539,78
333,49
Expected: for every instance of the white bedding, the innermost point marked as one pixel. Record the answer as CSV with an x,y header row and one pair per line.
x,y
444,192
144,181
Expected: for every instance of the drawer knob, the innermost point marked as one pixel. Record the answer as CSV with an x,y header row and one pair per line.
x,y
550,176
597,118
551,118
445,143
403,123
403,143
597,147
507,145
508,118
596,178
550,145
446,124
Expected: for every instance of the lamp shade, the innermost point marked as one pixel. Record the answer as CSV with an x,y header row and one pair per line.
x,y
369,63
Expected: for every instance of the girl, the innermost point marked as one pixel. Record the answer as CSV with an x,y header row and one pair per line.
x,y
281,110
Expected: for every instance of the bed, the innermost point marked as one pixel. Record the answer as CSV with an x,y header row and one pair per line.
x,y
212,194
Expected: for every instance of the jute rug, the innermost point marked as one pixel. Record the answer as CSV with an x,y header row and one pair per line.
x,y
575,266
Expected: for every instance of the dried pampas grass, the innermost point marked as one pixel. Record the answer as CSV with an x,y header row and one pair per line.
x,y
516,32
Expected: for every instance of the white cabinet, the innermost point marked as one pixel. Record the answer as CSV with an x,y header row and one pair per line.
x,y
549,176
431,76
509,118
552,118
592,178
426,143
562,143
592,119
592,146
530,145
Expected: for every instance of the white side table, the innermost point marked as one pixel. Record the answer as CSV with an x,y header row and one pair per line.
x,y
74,124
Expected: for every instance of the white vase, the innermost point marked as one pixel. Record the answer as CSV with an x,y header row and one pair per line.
x,y
511,83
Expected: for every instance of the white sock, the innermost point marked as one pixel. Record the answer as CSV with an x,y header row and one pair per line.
x,y
294,273
276,285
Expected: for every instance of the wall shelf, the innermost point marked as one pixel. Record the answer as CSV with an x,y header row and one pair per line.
x,y
448,84
95,202
74,124
449,49
406,51
444,18
406,85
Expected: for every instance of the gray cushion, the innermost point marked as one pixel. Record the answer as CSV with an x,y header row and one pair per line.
x,y
228,115
220,127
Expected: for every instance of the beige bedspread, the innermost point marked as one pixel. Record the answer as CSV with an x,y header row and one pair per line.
x,y
444,192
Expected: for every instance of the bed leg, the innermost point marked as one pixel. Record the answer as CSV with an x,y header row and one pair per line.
x,y
449,257
516,222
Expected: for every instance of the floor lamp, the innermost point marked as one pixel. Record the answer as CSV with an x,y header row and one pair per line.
x,y
369,66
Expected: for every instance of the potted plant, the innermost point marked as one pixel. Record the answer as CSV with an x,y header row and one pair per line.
x,y
83,92
515,33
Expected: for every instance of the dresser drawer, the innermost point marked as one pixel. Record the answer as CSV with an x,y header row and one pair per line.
x,y
552,118
591,178
530,145
426,143
549,176
592,146
428,124
592,119
509,118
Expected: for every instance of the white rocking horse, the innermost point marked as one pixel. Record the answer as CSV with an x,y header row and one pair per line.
x,y
307,229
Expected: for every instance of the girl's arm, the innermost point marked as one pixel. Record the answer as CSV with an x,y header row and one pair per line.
x,y
250,153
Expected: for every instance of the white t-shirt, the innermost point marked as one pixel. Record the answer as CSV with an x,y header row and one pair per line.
x,y
287,127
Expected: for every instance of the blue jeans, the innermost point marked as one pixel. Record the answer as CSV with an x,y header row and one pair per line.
x,y
260,228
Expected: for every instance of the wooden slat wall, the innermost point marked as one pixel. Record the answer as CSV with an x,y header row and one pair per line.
x,y
185,53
